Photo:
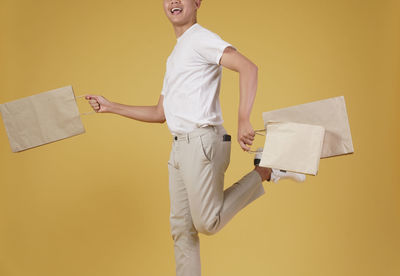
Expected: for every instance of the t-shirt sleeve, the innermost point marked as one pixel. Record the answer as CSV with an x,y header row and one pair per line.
x,y
164,88
211,47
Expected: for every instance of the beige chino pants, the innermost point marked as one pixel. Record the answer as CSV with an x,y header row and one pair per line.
x,y
197,165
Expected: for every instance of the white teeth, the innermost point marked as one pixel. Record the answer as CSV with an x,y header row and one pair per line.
x,y
176,9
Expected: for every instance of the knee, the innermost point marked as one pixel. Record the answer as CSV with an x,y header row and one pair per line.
x,y
207,228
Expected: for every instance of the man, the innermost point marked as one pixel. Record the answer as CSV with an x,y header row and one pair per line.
x,y
200,154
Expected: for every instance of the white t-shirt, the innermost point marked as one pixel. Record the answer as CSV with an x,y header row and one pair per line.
x,y
192,81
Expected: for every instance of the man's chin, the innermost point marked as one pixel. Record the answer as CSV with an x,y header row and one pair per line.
x,y
178,21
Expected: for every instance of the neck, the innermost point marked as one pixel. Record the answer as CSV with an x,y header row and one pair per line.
x,y
179,30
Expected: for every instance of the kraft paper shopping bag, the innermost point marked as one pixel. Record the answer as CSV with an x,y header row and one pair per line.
x,y
293,147
41,118
329,113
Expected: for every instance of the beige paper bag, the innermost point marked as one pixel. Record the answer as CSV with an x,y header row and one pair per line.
x,y
41,118
293,147
330,114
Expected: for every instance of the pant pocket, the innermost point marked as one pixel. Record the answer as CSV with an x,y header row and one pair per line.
x,y
206,147
171,160
226,152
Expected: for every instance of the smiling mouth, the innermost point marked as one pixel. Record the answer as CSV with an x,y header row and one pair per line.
x,y
176,10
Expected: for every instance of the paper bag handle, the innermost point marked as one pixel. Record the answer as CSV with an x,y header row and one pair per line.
x,y
258,132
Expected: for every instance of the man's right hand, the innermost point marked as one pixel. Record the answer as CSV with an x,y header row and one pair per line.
x,y
99,103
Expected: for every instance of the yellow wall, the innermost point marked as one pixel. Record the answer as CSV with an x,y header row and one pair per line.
x,y
98,205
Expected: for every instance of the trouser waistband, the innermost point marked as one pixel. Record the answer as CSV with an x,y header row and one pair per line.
x,y
219,129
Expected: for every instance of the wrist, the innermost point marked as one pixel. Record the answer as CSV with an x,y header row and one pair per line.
x,y
112,107
243,120
243,115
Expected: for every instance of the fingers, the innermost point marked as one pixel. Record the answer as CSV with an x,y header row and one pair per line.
x,y
93,101
243,146
246,134
247,141
95,106
250,134
248,137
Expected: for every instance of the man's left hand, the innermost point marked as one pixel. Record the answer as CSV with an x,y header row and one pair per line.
x,y
245,135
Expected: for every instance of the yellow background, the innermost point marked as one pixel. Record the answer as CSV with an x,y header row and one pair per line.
x,y
97,204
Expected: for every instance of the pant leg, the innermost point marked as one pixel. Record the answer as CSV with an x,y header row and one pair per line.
x,y
184,234
203,161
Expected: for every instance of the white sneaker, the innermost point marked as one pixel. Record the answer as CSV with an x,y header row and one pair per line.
x,y
276,174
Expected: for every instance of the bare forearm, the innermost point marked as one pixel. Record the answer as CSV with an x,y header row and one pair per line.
x,y
150,114
248,78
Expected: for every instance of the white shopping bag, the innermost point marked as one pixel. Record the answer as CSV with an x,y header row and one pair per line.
x,y
329,113
293,147
42,118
